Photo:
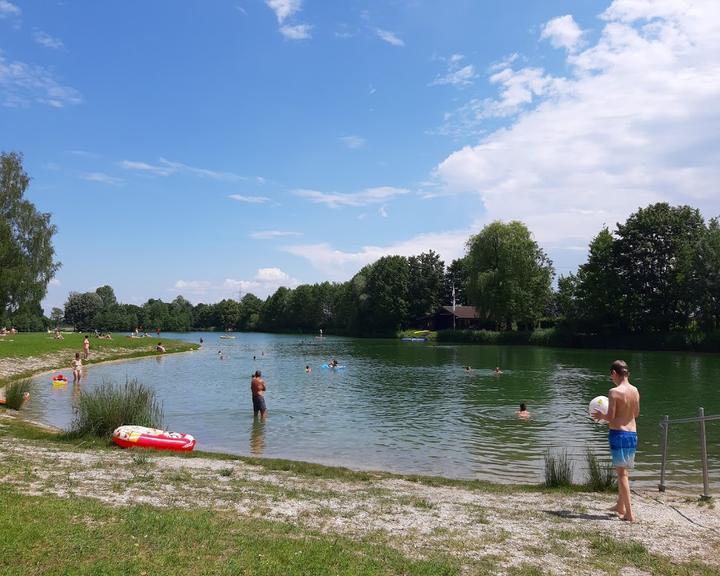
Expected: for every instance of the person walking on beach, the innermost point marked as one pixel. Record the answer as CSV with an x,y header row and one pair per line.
x,y
77,368
623,409
257,387
86,347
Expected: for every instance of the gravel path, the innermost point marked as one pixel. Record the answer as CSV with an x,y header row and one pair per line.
x,y
550,530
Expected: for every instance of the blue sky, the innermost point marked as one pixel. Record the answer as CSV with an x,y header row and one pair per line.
x,y
209,148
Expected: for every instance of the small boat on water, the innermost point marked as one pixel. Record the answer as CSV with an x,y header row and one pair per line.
x,y
143,437
227,337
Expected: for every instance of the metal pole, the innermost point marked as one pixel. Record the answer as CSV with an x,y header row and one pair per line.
x,y
663,447
703,455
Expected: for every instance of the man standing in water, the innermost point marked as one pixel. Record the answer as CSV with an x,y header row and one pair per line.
x,y
623,408
257,387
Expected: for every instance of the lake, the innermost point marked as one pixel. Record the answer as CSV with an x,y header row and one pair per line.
x,y
411,407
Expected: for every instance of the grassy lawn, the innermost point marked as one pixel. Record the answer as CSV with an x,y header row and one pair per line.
x,y
49,535
58,353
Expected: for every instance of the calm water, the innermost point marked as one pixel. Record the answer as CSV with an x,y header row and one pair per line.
x,y
411,407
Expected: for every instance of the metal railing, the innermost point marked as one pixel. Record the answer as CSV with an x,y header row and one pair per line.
x,y
665,428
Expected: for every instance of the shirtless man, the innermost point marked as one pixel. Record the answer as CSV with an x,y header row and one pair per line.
x,y
86,347
623,408
257,387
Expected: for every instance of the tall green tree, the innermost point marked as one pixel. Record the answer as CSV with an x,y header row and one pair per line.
x,y
385,301
250,309
81,310
27,256
456,278
425,284
653,256
509,275
707,267
599,293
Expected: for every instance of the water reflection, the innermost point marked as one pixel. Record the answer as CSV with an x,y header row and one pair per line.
x,y
411,407
257,437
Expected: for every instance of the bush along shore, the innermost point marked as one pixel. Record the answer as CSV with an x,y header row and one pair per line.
x,y
103,510
689,341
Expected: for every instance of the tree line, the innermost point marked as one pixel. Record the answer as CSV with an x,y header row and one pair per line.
x,y
656,273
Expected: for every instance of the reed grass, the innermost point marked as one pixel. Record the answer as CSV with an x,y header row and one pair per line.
x,y
17,392
558,470
600,476
103,409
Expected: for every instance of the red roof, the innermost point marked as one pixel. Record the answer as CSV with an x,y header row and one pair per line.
x,y
463,311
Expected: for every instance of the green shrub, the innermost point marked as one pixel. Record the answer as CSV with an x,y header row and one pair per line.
x,y
558,470
16,393
100,411
600,474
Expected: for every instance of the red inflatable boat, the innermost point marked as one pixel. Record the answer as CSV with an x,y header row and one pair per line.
x,y
142,437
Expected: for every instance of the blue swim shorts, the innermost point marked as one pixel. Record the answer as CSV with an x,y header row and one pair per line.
x,y
622,448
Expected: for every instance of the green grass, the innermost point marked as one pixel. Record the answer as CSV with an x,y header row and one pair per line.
x,y
558,470
108,406
53,536
600,474
39,344
16,393
611,555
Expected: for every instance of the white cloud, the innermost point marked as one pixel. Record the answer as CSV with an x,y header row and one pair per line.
x,y
167,167
460,77
48,41
389,37
353,141
634,122
22,84
362,198
272,234
284,8
54,282
271,275
250,199
264,283
297,32
101,177
340,265
563,32
382,211
8,9
145,167
505,62
193,286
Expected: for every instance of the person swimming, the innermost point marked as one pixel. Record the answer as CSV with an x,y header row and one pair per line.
x,y
523,412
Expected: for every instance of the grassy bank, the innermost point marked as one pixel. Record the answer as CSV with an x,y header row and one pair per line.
x,y
25,354
677,341
102,510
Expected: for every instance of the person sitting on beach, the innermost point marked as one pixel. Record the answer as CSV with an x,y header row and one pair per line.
x,y
160,348
523,412
77,368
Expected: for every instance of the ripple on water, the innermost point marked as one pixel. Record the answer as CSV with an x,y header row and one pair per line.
x,y
412,408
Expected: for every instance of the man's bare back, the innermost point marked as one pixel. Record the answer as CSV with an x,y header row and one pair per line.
x,y
623,406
